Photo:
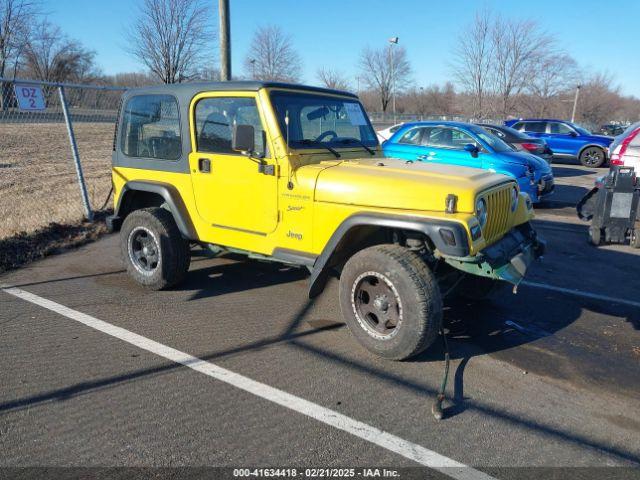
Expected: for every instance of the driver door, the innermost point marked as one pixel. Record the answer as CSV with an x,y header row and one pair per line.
x,y
564,139
230,191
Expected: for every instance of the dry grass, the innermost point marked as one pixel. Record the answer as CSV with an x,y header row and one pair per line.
x,y
38,182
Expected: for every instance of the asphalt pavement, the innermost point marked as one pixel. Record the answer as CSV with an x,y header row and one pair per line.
x,y
237,368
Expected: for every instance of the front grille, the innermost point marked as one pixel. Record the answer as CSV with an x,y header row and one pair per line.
x,y
499,216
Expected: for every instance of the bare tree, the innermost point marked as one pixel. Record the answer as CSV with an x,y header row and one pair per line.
x,y
381,71
332,79
272,56
170,36
473,61
15,20
519,49
556,73
16,17
130,79
52,57
600,100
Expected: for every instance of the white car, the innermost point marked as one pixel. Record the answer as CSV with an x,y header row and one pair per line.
x,y
388,132
625,149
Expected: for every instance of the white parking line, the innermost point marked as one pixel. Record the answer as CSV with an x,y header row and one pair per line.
x,y
580,293
407,449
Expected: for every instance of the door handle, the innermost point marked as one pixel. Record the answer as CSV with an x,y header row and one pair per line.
x,y
204,165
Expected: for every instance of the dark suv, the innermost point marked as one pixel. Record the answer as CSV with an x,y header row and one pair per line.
x,y
567,140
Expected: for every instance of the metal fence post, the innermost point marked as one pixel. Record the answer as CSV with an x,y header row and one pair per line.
x,y
76,155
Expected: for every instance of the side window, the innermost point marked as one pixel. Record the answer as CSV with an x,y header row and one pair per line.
x,y
559,128
518,126
412,137
536,127
459,139
215,118
448,138
151,128
439,137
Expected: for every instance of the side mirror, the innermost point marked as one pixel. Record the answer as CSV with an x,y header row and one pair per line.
x,y
243,139
472,149
573,134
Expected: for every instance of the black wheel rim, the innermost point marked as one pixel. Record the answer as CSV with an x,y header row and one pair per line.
x,y
592,156
376,305
144,250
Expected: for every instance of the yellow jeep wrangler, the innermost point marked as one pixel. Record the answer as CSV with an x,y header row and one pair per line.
x,y
294,174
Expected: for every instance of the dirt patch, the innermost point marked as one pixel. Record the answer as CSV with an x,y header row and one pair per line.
x,y
38,183
24,248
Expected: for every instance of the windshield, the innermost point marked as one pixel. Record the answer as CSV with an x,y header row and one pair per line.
x,y
322,121
494,142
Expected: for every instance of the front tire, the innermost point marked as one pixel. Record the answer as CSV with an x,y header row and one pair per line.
x,y
635,238
593,157
156,255
595,236
391,301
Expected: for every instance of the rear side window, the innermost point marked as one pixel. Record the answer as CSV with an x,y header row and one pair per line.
x,y
151,128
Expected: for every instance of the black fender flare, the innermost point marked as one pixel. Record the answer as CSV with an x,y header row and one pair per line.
x,y
171,197
429,227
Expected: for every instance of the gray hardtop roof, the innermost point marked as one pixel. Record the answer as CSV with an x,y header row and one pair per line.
x,y
183,90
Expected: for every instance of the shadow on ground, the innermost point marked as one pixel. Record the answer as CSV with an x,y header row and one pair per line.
x,y
504,327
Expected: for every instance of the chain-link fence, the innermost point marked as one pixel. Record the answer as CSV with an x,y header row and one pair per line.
x,y
55,151
382,120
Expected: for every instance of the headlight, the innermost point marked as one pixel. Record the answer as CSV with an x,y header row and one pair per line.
x,y
481,212
514,199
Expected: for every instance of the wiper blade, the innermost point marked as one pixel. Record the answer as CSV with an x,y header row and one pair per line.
x,y
351,140
308,141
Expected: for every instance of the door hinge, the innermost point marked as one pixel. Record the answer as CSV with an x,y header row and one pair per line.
x,y
267,169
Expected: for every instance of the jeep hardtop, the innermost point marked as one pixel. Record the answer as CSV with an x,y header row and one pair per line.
x,y
295,174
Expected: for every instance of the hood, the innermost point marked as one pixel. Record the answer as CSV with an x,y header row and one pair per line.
x,y
527,160
597,138
399,184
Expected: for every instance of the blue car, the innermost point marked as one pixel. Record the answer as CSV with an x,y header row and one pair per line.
x,y
469,145
567,140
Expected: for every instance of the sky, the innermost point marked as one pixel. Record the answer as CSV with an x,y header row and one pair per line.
x,y
600,35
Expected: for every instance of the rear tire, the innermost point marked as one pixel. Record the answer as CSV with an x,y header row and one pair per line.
x,y
635,238
593,157
391,301
156,255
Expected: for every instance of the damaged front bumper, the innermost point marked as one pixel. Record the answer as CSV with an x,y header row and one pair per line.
x,y
508,259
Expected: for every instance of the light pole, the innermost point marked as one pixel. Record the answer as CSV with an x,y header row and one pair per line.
x,y
575,103
225,41
252,61
393,41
